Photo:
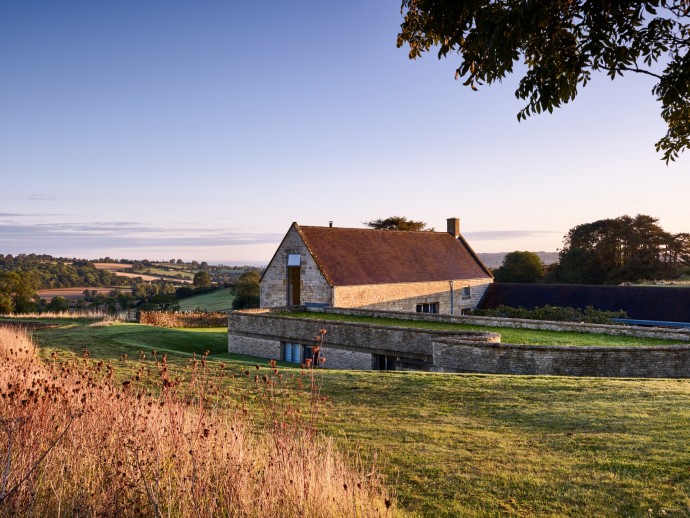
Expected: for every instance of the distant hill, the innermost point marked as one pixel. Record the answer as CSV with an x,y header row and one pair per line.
x,y
494,260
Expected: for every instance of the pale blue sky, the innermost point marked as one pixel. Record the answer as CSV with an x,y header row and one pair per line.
x,y
203,129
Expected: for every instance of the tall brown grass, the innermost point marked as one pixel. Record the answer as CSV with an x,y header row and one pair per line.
x,y
75,441
88,314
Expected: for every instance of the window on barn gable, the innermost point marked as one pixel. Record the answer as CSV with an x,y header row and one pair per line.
x,y
466,292
427,307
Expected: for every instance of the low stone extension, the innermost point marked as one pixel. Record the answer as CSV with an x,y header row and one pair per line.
x,y
347,345
350,345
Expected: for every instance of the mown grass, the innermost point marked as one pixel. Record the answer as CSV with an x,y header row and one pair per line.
x,y
508,335
216,300
112,341
479,445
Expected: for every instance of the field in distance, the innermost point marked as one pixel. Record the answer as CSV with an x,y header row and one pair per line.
x,y
75,293
155,274
113,267
216,300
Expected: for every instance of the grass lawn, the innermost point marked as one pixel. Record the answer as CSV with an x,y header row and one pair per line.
x,y
473,445
508,336
216,300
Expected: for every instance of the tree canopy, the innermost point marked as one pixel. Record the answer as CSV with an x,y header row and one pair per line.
x,y
53,272
562,42
17,292
247,290
520,267
398,223
201,279
610,251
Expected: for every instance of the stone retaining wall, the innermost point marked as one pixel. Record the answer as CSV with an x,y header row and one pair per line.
x,y
629,362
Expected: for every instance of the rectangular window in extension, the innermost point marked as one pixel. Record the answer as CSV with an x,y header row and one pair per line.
x,y
427,307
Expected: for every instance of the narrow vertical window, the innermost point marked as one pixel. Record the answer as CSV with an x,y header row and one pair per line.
x,y
294,279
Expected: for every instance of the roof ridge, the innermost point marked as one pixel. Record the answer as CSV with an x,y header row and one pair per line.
x,y
425,232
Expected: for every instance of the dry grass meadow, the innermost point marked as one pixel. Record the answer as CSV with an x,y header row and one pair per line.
x,y
78,440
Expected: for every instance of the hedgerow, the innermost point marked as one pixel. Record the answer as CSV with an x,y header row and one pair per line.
x,y
559,314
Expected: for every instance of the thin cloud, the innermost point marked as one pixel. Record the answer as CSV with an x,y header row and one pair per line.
x,y
41,197
106,235
25,214
501,235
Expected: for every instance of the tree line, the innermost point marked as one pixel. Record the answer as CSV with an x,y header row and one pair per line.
x,y
48,272
23,275
607,251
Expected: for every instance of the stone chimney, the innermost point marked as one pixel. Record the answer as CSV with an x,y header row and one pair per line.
x,y
454,227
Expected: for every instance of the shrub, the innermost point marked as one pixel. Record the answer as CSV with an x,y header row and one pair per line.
x,y
559,314
183,319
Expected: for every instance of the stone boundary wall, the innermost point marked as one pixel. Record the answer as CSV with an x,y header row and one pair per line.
x,y
183,319
515,323
672,361
470,351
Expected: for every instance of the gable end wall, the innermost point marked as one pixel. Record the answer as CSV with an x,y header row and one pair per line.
x,y
313,285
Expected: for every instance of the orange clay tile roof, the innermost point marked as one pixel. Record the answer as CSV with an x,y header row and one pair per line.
x,y
357,256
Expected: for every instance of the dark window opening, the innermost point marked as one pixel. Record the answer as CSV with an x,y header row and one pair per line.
x,y
427,307
381,362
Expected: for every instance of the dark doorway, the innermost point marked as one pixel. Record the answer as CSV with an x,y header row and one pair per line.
x,y
293,286
382,362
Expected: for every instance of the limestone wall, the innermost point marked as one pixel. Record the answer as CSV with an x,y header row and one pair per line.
x,y
671,361
344,359
274,285
405,296
251,346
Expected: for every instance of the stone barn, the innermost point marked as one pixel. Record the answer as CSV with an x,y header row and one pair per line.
x,y
424,272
